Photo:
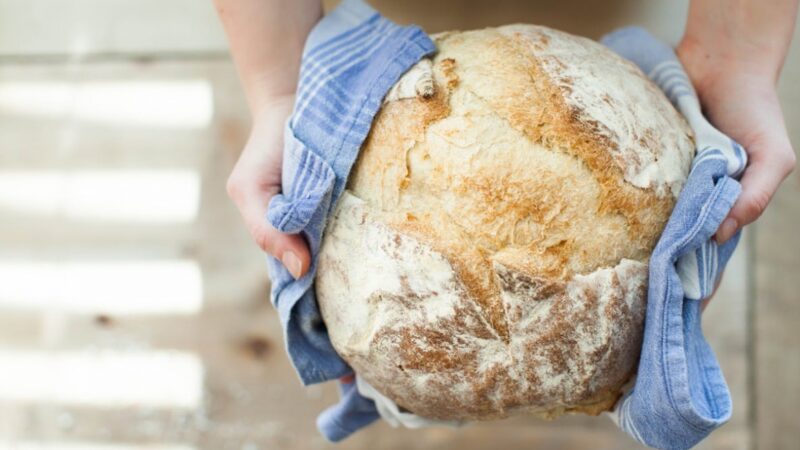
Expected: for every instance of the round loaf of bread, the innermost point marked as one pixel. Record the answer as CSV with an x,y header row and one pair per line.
x,y
489,254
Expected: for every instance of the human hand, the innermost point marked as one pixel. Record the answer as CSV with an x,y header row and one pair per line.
x,y
256,178
744,106
266,39
733,53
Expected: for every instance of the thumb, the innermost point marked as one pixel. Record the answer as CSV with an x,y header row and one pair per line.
x,y
290,249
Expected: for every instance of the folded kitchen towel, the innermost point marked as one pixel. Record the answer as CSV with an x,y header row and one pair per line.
x,y
680,394
351,60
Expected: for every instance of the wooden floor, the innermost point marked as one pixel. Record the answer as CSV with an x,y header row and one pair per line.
x,y
134,309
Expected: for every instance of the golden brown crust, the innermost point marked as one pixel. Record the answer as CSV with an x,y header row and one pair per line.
x,y
528,200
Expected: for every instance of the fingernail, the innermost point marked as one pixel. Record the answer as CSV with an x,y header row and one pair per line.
x,y
292,263
726,230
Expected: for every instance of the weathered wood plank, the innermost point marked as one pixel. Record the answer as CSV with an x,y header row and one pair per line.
x,y
777,312
777,293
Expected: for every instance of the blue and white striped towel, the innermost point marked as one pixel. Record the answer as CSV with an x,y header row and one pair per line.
x,y
680,395
352,58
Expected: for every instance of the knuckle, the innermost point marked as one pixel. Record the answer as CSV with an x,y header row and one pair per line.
x,y
264,241
789,161
756,204
233,188
782,161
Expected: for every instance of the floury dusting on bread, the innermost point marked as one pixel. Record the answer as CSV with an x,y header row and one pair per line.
x,y
595,83
490,253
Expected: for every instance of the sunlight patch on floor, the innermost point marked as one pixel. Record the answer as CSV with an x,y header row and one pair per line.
x,y
143,103
113,287
108,378
132,196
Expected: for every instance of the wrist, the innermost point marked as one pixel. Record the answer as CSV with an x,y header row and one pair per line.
x,y
708,70
272,110
270,89
741,36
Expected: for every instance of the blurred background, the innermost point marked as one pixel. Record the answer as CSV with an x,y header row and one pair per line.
x,y
134,309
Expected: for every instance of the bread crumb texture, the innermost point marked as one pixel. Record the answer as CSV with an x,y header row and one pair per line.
x,y
489,255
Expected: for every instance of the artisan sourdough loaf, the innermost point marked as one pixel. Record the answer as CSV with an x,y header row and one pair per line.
x,y
489,255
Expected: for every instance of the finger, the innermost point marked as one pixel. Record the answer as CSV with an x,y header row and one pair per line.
x,y
759,183
290,249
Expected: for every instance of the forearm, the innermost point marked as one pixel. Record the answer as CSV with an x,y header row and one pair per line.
x,y
266,38
750,35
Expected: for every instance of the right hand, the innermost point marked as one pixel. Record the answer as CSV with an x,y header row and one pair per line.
x,y
256,178
743,103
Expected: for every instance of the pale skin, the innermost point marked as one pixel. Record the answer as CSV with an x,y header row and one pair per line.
x,y
266,39
733,51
